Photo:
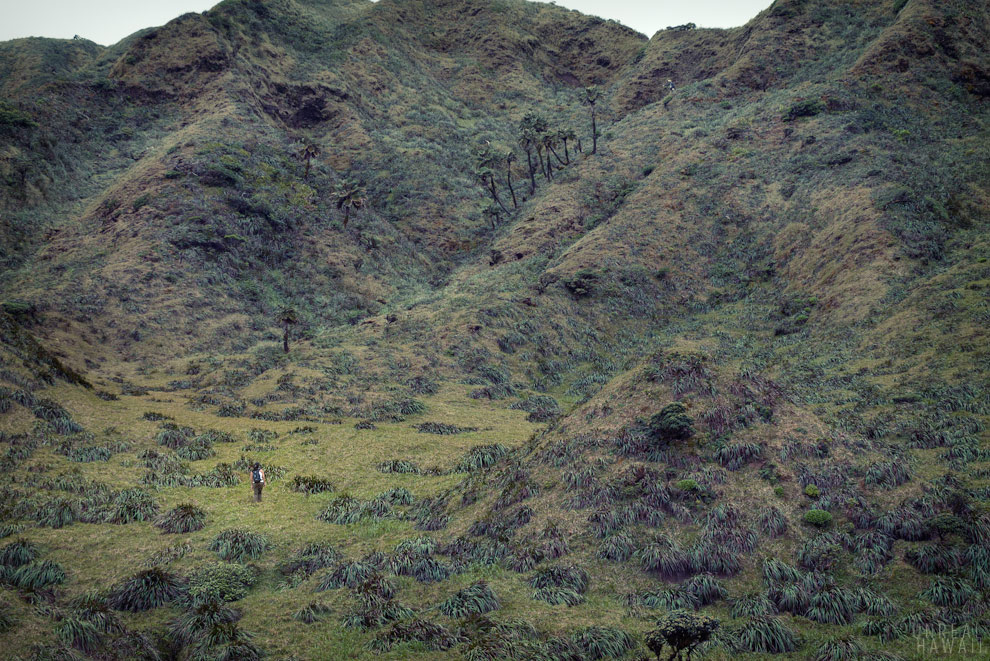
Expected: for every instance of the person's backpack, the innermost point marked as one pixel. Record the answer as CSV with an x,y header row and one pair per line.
x,y
256,475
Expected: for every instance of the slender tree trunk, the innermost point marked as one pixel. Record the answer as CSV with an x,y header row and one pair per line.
x,y
549,167
532,172
347,215
594,132
285,339
543,168
306,176
567,157
559,159
491,187
579,148
508,181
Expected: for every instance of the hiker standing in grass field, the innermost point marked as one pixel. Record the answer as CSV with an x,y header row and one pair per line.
x,y
257,480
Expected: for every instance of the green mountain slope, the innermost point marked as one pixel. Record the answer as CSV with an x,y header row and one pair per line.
x,y
734,361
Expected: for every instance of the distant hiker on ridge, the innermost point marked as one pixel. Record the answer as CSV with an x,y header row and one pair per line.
x,y
257,480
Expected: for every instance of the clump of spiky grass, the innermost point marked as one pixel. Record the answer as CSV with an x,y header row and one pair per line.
x,y
182,518
345,509
377,606
839,649
86,622
476,599
398,466
765,635
235,545
664,557
310,484
427,634
560,585
310,559
874,603
56,512
227,642
346,574
34,576
617,547
706,588
933,558
888,474
197,620
602,642
312,612
833,605
772,521
481,457
949,592
671,599
130,505
7,619
19,552
147,589
736,455
753,605
396,496
777,571
792,598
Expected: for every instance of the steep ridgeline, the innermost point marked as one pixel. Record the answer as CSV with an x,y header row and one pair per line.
x,y
540,387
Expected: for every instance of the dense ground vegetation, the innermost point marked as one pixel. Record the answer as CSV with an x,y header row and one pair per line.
x,y
554,342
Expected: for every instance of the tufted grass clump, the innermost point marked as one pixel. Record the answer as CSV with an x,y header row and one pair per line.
x,y
617,547
734,456
199,619
752,605
398,466
310,484
560,585
351,575
949,592
597,642
833,605
764,635
310,559
772,521
476,599
236,545
312,612
147,589
423,633
839,649
181,519
34,575
671,599
707,588
664,557
345,509
933,558
19,552
130,505
482,456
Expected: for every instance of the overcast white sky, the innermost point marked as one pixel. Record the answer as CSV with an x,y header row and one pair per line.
x,y
108,21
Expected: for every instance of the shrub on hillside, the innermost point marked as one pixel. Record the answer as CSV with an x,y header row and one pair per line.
x,y
221,581
818,518
681,630
672,423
